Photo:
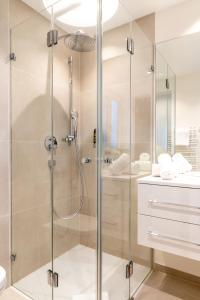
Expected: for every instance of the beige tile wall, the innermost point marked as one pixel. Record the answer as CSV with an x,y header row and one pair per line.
x,y
4,137
31,123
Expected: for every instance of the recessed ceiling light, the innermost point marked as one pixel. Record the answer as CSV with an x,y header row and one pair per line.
x,y
81,13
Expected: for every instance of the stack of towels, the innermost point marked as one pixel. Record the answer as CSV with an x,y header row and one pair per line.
x,y
170,167
123,164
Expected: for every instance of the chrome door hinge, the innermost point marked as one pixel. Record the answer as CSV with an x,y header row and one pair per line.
x,y
51,163
52,278
129,269
130,45
13,257
13,56
52,38
167,84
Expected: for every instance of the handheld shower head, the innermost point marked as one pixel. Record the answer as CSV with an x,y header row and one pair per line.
x,y
74,124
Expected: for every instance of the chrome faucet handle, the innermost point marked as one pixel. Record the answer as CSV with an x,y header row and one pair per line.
x,y
86,160
68,139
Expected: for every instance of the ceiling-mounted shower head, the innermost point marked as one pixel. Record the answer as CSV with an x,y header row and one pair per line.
x,y
80,41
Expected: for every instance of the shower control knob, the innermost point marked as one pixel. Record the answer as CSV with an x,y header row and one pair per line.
x,y
86,160
50,143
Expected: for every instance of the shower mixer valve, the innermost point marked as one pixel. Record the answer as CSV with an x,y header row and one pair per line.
x,y
50,143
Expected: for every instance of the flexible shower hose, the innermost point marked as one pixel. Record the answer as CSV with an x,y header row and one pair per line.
x,y
78,160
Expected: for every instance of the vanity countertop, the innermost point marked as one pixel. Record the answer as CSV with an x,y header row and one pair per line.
x,y
189,181
124,177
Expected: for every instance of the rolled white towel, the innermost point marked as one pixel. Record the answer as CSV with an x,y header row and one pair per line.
x,y
120,164
164,159
181,164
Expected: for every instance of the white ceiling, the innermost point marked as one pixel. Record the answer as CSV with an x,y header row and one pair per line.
x,y
182,54
127,10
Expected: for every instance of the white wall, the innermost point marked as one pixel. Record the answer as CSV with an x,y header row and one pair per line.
x,y
4,136
178,20
187,100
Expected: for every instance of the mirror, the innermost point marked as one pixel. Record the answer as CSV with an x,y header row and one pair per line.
x,y
177,98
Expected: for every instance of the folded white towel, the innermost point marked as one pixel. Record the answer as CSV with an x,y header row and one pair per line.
x,y
182,137
168,172
120,164
143,165
131,169
181,164
144,156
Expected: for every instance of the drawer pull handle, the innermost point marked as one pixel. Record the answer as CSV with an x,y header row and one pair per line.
x,y
155,234
173,204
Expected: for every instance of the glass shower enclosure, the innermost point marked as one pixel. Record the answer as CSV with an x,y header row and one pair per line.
x,y
73,113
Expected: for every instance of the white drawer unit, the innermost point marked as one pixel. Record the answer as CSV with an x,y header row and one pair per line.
x,y
175,203
169,215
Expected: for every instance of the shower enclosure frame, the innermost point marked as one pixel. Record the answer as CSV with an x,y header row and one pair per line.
x,y
52,42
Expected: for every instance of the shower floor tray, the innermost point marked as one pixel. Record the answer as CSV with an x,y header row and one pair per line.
x,y
77,277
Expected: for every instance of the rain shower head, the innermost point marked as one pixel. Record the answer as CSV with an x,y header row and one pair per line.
x,y
80,41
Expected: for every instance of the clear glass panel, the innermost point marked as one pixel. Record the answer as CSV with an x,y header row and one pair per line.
x,y
31,184
142,77
116,143
75,174
164,106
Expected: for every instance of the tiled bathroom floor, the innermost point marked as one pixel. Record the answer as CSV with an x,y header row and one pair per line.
x,y
159,286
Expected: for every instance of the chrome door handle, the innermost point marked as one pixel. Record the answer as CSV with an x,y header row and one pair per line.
x,y
155,234
155,202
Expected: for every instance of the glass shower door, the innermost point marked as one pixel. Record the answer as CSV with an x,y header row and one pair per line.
x,y
31,64
74,113
116,178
